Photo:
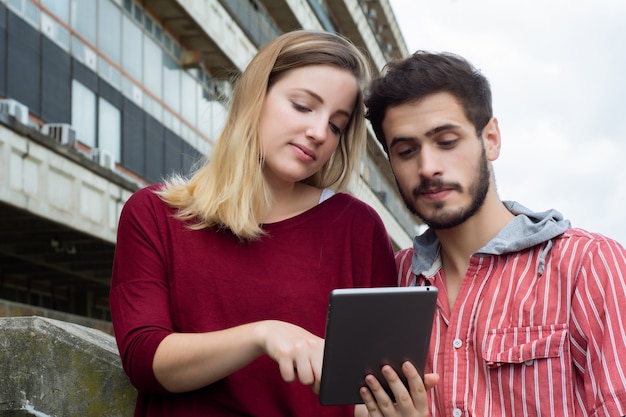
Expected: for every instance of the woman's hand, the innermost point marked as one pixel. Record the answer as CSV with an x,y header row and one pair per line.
x,y
299,353
411,402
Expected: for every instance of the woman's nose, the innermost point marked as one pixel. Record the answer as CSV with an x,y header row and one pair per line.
x,y
318,130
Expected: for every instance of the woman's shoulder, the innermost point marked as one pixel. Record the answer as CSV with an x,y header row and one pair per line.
x,y
347,198
354,205
145,197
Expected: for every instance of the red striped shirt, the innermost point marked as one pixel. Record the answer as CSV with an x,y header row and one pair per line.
x,y
519,342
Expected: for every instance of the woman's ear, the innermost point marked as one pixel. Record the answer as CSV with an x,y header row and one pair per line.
x,y
491,139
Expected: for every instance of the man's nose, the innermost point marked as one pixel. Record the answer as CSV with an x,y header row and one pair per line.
x,y
430,162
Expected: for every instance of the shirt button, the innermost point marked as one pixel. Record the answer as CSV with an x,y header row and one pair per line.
x,y
457,412
457,343
529,362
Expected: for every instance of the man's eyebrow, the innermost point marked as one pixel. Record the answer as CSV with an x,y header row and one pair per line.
x,y
400,139
428,134
317,97
438,129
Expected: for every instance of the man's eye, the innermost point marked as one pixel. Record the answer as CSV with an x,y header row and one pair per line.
x,y
447,143
405,152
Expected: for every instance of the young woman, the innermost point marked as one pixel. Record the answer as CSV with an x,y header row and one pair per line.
x,y
220,281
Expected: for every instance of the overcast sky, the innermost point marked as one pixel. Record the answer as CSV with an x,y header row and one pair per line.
x,y
558,74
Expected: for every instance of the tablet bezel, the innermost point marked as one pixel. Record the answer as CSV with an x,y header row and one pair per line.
x,y
369,327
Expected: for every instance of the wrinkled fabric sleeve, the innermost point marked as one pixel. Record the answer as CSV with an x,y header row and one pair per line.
x,y
139,290
598,329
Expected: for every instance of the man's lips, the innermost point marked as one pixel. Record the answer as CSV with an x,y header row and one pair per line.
x,y
435,193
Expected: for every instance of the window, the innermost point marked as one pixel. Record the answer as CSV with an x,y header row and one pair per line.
x,y
171,83
132,58
60,8
109,128
84,113
84,19
109,36
189,88
153,66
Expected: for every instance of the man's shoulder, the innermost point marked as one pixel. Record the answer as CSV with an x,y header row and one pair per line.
x,y
404,259
589,239
404,254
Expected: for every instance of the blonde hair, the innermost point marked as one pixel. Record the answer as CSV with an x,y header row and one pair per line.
x,y
229,191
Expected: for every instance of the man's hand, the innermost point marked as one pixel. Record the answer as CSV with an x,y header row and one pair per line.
x,y
410,402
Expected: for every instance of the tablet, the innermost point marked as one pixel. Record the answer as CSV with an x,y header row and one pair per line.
x,y
369,327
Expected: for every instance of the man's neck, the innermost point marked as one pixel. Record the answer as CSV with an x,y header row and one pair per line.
x,y
458,244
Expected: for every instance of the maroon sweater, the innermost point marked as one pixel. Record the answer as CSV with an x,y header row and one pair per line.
x,y
167,278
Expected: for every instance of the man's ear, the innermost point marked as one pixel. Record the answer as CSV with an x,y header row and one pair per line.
x,y
491,139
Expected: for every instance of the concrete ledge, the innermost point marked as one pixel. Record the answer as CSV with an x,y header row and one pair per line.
x,y
14,309
54,368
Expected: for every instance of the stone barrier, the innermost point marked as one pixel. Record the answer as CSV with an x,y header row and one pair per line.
x,y
52,368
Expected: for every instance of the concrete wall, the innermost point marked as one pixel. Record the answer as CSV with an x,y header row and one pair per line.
x,y
13,309
55,368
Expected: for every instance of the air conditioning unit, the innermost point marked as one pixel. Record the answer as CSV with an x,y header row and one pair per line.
x,y
103,157
16,109
63,133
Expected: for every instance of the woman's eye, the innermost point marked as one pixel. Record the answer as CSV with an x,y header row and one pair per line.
x,y
334,128
301,108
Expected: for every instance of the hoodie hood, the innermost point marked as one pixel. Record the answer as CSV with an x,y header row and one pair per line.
x,y
527,229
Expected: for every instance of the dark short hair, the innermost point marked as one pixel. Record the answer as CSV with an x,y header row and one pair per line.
x,y
425,73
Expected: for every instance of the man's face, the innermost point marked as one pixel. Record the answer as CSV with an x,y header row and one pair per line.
x,y
439,163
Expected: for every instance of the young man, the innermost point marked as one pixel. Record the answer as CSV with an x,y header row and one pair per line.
x,y
530,317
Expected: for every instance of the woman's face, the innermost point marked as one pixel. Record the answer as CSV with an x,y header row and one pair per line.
x,y
303,117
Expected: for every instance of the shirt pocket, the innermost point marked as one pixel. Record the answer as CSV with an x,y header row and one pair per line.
x,y
517,345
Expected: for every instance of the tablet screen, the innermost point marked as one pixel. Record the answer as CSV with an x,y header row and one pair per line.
x,y
369,327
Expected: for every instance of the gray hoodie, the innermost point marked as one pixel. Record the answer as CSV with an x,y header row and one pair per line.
x,y
527,229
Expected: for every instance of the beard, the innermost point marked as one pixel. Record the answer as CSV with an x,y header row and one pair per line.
x,y
441,219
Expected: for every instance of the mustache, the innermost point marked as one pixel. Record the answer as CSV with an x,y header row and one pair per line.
x,y
435,184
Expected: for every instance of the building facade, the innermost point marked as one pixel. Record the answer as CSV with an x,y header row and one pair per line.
x,y
99,98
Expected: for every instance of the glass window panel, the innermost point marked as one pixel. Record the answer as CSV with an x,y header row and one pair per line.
x,y
188,106
211,116
84,19
128,6
132,91
60,8
152,66
109,72
31,12
171,83
138,15
109,36
167,41
16,5
153,108
176,125
84,113
148,23
158,33
109,128
131,49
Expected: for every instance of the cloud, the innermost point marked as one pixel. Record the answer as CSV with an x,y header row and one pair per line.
x,y
557,73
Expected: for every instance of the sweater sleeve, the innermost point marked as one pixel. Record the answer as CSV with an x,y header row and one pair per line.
x,y
139,297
